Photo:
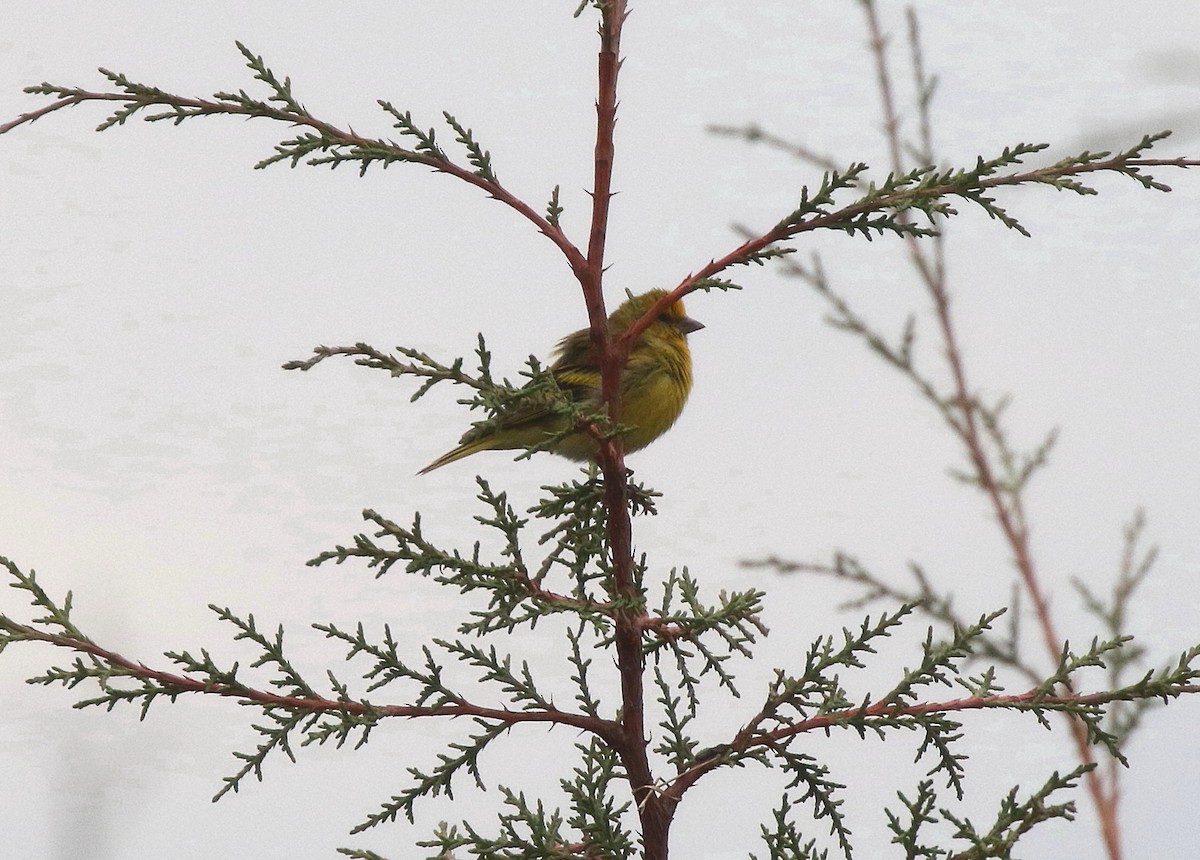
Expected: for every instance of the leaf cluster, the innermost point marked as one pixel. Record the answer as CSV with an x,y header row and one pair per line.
x,y
495,398
685,638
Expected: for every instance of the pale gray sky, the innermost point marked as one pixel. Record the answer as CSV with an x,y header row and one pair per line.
x,y
155,457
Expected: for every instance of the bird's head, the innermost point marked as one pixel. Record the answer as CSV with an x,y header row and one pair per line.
x,y
672,317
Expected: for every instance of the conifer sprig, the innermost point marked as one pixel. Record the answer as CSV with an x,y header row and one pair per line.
x,y
319,143
885,208
462,756
815,700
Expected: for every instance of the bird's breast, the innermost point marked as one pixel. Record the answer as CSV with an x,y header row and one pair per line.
x,y
653,393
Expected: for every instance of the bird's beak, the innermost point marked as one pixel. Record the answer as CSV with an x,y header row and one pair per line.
x,y
687,325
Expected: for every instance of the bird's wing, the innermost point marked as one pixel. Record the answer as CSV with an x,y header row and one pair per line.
x,y
578,384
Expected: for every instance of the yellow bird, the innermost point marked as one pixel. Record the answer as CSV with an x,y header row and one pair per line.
x,y
654,386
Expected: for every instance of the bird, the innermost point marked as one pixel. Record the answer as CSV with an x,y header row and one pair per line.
x,y
655,383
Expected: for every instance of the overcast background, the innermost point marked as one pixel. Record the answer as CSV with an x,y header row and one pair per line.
x,y
155,458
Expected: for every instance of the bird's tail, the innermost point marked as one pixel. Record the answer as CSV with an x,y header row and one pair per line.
x,y
464,450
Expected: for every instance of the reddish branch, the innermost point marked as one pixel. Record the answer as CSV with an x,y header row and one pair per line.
x,y
749,738
630,615
1010,516
1006,506
900,200
173,684
329,132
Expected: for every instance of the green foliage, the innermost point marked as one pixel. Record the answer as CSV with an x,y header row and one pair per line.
x,y
1013,820
492,397
553,208
700,639
885,208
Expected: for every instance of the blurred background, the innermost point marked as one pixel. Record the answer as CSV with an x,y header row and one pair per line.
x,y
155,458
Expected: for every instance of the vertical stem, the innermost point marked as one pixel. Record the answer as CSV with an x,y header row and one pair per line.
x,y
1006,506
653,810
1010,515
